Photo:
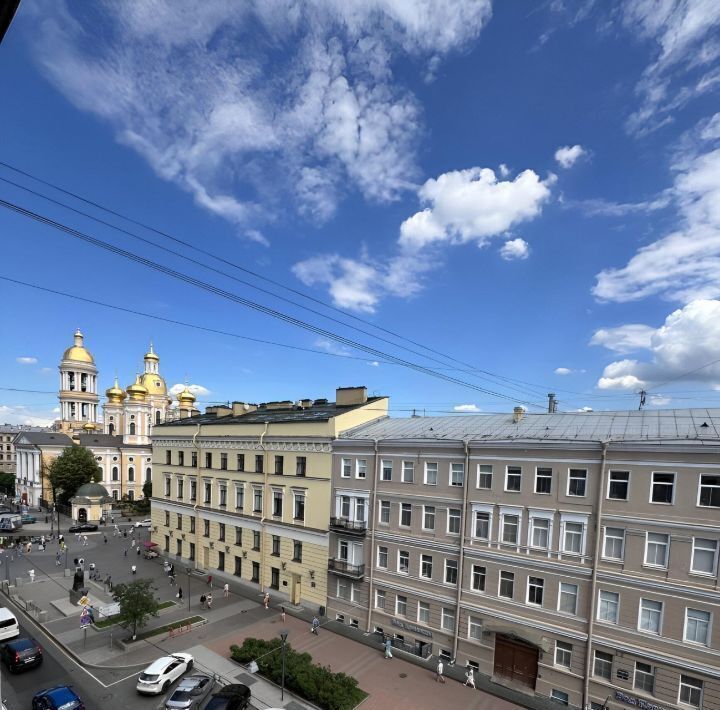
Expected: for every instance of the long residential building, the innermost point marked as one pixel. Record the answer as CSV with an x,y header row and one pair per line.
x,y
573,556
244,490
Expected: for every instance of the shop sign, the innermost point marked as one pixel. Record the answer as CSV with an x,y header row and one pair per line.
x,y
637,702
411,627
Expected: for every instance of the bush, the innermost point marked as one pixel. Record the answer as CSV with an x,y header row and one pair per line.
x,y
318,684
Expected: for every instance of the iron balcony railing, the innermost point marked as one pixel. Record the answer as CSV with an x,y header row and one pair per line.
x,y
356,526
346,568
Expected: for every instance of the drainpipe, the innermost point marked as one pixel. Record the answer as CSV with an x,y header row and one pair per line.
x,y
372,513
593,582
197,490
265,502
461,562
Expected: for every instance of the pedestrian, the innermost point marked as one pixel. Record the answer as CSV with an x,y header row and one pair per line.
x,y
42,540
266,600
469,677
179,594
138,550
126,552
112,521
439,677
315,626
171,577
105,538
61,539
226,590
132,543
134,569
209,581
32,575
85,540
282,614
57,559
208,601
388,647
203,598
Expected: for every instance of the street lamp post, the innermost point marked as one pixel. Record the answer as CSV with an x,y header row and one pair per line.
x,y
188,574
283,636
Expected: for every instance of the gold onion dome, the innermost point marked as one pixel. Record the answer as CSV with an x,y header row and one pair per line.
x,y
137,391
115,394
78,352
186,397
153,383
151,354
88,426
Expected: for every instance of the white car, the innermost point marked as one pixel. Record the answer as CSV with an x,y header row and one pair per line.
x,y
160,674
143,523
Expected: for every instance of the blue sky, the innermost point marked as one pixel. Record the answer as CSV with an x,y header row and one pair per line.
x,y
531,188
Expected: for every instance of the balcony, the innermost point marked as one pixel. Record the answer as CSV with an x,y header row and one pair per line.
x,y
346,569
355,527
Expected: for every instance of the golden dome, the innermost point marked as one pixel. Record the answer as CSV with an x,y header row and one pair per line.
x,y
151,354
77,351
137,391
88,426
115,394
153,383
186,398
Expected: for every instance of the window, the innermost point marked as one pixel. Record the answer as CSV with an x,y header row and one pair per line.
x,y
603,665
650,616
255,572
454,523
257,500
259,463
346,468
241,462
208,460
279,465
510,528
482,525
131,474
277,503
179,521
401,605
181,458
238,566
193,490
382,557
408,472
563,654
178,548
513,479
577,480
614,543
697,626
663,488
380,599
423,612
194,459
609,607
116,475
132,428
457,474
428,517
543,480
221,533
344,506
167,486
300,465
191,553
656,549
207,493
167,518
447,620
239,497
148,474
536,588
256,540
384,511
568,598
644,677
405,514
386,470
206,528
238,536
223,496
560,696
223,462
360,510
192,525
540,533
709,494
475,628
451,571
275,546
403,562
479,575
361,468
618,485
168,457
431,474
426,566
299,506
507,585
691,691
704,556
573,538
484,476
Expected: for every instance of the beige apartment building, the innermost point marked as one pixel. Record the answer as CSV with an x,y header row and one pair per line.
x,y
245,490
573,556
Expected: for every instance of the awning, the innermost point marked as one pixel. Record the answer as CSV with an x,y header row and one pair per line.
x,y
148,544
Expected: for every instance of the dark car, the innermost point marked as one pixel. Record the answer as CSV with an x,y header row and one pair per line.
x,y
190,692
235,696
27,518
20,654
83,527
62,696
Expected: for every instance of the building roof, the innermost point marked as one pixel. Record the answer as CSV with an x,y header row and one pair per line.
x,y
92,490
94,439
319,411
15,428
645,425
47,438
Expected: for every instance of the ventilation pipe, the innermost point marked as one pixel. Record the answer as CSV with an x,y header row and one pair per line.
x,y
552,403
518,413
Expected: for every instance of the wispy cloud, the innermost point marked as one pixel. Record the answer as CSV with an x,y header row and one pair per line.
x,y
10,414
26,360
466,408
197,390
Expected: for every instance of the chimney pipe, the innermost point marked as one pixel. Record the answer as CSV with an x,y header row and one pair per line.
x,y
552,403
518,414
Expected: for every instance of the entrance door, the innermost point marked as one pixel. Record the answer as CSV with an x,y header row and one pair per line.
x,y
515,661
206,558
82,515
296,588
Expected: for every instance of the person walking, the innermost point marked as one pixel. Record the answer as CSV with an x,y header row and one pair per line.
x,y
282,614
105,538
209,601
57,559
315,626
134,569
388,647
226,590
171,577
85,540
42,540
179,594
203,599
138,550
266,600
439,677
469,677
209,581
126,552
132,543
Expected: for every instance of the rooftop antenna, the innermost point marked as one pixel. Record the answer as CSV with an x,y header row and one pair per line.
x,y
642,394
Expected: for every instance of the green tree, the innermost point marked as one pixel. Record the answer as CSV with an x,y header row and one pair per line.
x,y
7,484
73,468
147,490
137,603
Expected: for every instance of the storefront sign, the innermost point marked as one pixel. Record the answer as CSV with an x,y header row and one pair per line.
x,y
637,702
411,627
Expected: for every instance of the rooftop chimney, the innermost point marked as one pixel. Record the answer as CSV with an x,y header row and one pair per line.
x,y
552,403
219,410
518,414
350,396
239,408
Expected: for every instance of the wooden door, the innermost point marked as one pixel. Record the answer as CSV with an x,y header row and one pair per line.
x,y
296,588
515,661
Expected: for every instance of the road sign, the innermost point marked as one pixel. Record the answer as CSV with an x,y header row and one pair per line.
x,y
84,601
85,619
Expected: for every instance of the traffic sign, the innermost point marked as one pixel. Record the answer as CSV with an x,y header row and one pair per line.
x,y
84,601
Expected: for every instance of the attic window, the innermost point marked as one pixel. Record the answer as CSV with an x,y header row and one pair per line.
x,y
704,425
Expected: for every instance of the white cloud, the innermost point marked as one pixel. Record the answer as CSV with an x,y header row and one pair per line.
x,y
27,360
245,105
584,409
46,370
373,363
595,207
466,408
197,390
658,400
330,346
685,348
625,338
568,155
21,415
563,371
515,249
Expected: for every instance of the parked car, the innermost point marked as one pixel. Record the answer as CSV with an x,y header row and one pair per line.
x,y
83,527
27,518
62,697
147,523
8,624
190,692
21,654
235,696
158,676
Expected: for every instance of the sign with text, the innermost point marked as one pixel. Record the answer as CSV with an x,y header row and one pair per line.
x,y
411,627
110,609
637,702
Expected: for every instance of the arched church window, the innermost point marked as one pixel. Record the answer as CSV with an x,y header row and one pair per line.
x,y
132,427
115,473
111,429
157,417
131,473
148,474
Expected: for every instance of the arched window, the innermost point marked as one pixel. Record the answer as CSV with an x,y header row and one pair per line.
x,y
148,473
131,473
115,475
111,429
131,495
132,427
157,417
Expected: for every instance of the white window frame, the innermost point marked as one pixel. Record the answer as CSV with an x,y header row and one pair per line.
x,y
569,478
600,603
398,597
652,485
652,674
603,660
538,514
537,476
629,478
560,696
513,511
480,472
386,464
451,475
560,598
573,518
346,468
713,572
426,512
380,512
423,562
447,614
482,574
380,548
447,566
452,517
401,553
423,607
507,476
605,556
475,625
360,469
425,473
564,651
408,465
401,510
479,508
500,581
710,486
647,545
378,594
694,686
542,591
661,614
708,626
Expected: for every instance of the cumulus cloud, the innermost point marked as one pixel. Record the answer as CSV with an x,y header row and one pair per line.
x,y
466,408
515,249
625,338
685,347
658,400
568,155
197,390
25,360
21,415
250,107
563,371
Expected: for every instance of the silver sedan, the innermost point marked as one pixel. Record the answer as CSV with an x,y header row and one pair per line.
x,y
190,692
